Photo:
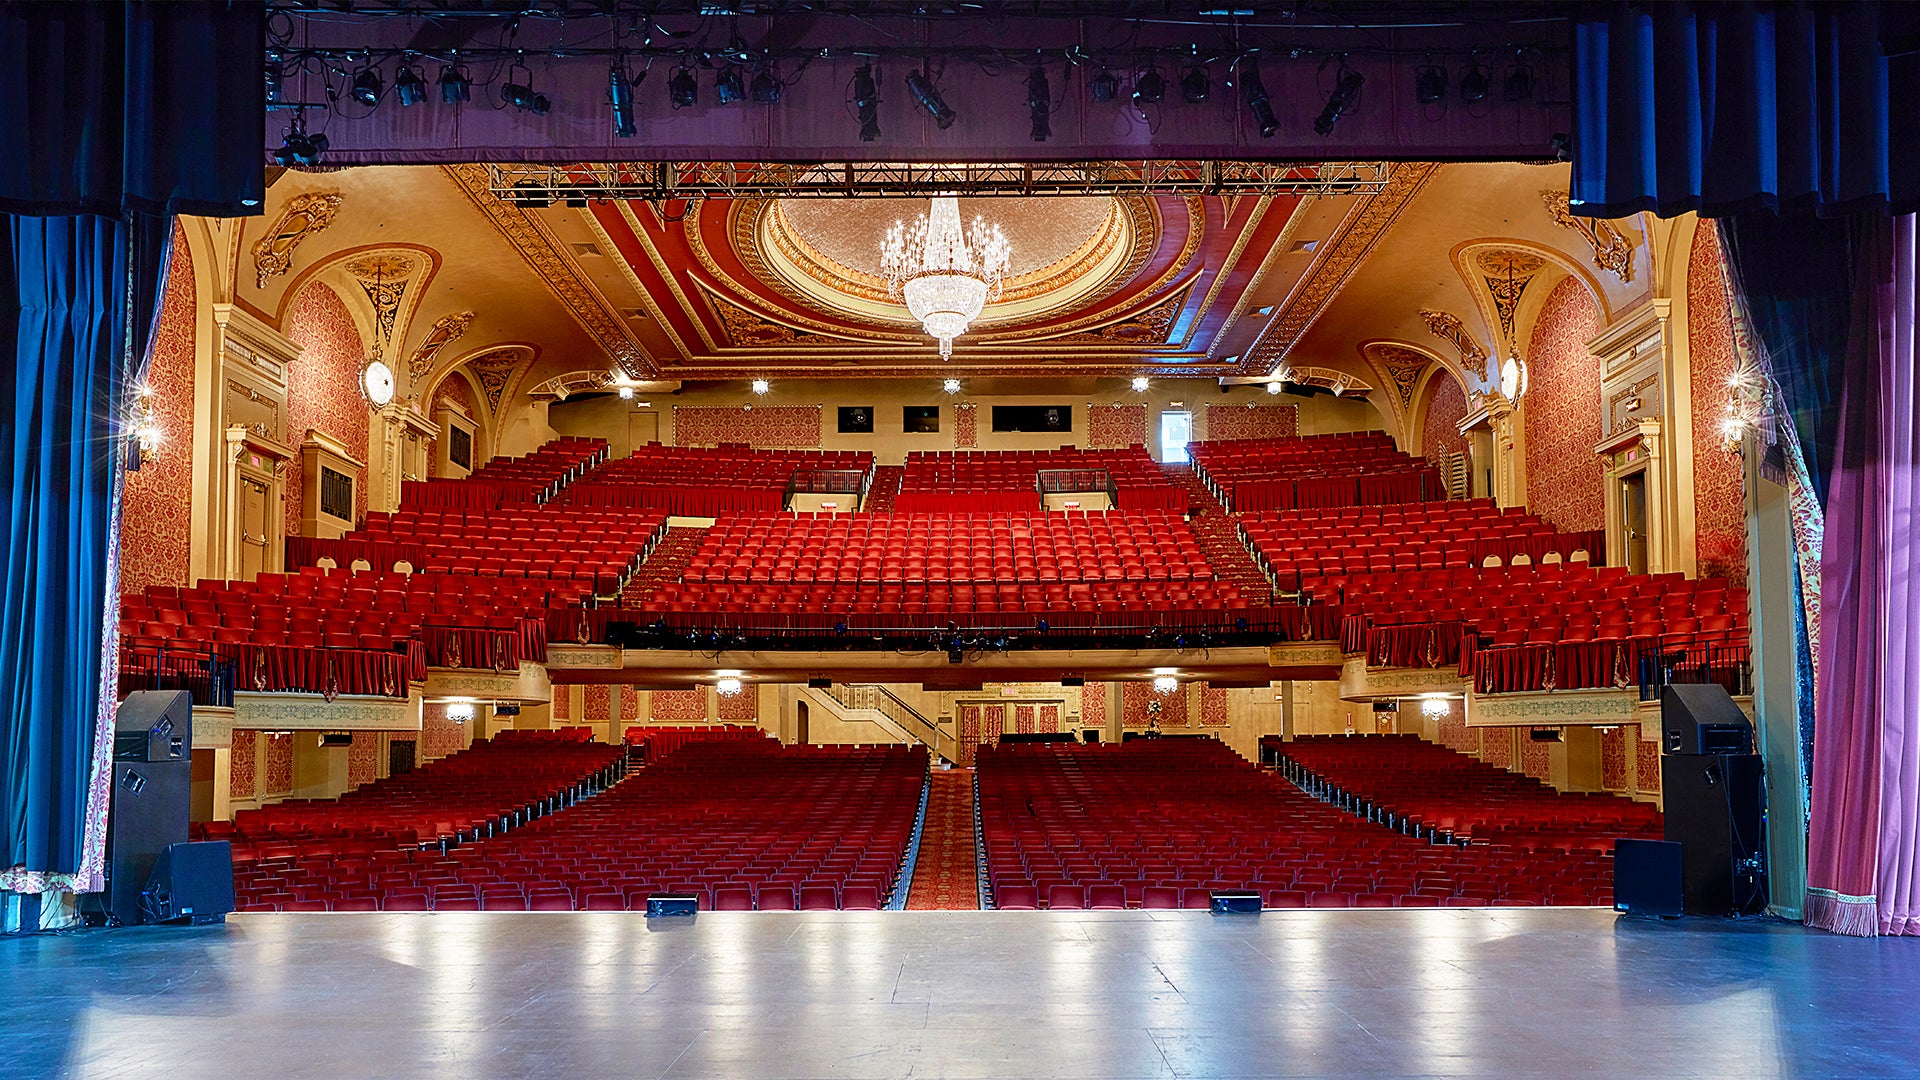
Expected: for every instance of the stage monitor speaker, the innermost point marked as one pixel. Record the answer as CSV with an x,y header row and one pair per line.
x,y
1235,902
1646,878
193,882
1715,808
671,904
154,725
148,810
1701,718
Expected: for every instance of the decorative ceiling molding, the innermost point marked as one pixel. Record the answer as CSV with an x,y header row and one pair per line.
x,y
1329,378
1447,327
748,328
1401,365
1335,263
1148,327
445,330
1506,273
1612,248
560,387
383,276
495,368
305,215
554,268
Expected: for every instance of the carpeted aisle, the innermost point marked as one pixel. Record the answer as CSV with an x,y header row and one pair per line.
x,y
943,878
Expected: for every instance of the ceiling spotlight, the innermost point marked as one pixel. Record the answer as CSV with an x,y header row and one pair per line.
x,y
1257,100
765,88
1039,103
1273,388
1518,85
682,91
951,386
408,87
1346,91
929,98
456,85
529,195
620,96
1430,84
1140,384
299,148
521,94
367,86
1195,86
1104,86
866,102
761,386
1474,84
728,86
1149,88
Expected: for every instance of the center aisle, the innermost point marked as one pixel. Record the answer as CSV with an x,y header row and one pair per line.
x,y
945,878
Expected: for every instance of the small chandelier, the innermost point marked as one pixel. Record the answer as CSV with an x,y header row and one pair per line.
x,y
943,275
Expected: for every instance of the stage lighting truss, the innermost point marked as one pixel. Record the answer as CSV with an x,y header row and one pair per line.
x,y
655,181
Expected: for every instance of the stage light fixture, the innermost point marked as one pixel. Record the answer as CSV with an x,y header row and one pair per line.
x,y
1039,103
1104,86
367,86
456,85
408,87
1140,384
528,195
1195,87
1257,100
1149,88
299,148
929,98
682,91
729,86
866,102
1518,85
1346,91
522,96
1474,84
1430,84
620,96
765,88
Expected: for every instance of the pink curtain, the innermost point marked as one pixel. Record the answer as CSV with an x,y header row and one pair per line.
x,y
1864,833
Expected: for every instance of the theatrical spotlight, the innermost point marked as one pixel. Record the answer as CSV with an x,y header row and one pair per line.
x,y
367,86
729,86
929,98
1257,100
682,91
866,102
1149,88
1430,84
456,85
408,87
1346,91
1474,84
1195,86
521,94
1518,85
298,147
620,96
765,88
1039,103
1104,86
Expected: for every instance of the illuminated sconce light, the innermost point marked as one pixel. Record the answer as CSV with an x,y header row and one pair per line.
x,y
1273,387
1165,684
761,386
1434,705
951,386
1140,384
728,687
460,711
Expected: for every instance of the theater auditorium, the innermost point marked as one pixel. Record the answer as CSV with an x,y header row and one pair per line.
x,y
813,538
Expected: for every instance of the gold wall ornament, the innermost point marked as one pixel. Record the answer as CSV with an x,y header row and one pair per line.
x,y
445,330
1401,365
1612,248
495,369
1448,327
305,215
1507,272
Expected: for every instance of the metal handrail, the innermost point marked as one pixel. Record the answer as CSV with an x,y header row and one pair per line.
x,y
870,696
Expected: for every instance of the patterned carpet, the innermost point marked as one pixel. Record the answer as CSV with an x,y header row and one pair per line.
x,y
943,878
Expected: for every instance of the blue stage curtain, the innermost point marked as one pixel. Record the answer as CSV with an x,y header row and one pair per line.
x,y
156,107
1725,107
77,301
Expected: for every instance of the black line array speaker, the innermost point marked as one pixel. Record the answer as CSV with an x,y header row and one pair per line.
x,y
193,882
1646,878
1715,811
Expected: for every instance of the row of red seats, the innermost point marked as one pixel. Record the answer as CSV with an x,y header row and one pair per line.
x,y
510,481
602,545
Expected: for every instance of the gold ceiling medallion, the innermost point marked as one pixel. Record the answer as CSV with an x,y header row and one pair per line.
x,y
1401,365
1448,327
305,215
1612,248
1507,272
444,331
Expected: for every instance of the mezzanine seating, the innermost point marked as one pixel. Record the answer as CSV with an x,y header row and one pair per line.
x,y
1346,469
703,481
507,481
1008,481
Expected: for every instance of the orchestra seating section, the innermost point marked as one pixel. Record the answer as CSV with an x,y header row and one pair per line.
x,y
740,824
1011,480
650,744
1349,469
708,482
507,480
1440,788
1162,823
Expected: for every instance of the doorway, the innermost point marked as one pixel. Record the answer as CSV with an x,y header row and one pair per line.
x,y
800,728
399,757
642,428
253,528
1176,430
1633,505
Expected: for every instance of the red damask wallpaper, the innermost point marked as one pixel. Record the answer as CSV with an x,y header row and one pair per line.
x,y
966,430
1213,707
1024,719
792,427
1719,493
242,763
1564,475
1536,759
1093,705
1049,718
1613,759
323,388
562,702
1451,730
1648,767
679,705
1135,696
1116,425
154,521
363,758
440,736
599,703
1259,422
279,778
629,704
1446,407
743,706
1496,747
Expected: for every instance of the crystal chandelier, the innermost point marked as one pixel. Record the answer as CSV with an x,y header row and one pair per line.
x,y
943,275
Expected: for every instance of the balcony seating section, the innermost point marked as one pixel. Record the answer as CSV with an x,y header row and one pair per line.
x,y
1167,821
507,481
1360,468
703,481
1444,789
316,847
1315,550
652,744
1007,481
597,547
796,828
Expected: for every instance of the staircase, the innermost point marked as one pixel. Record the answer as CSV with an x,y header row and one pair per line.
x,y
666,563
1219,535
886,484
945,875
871,703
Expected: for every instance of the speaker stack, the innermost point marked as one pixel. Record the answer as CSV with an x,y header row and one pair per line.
x,y
1712,784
